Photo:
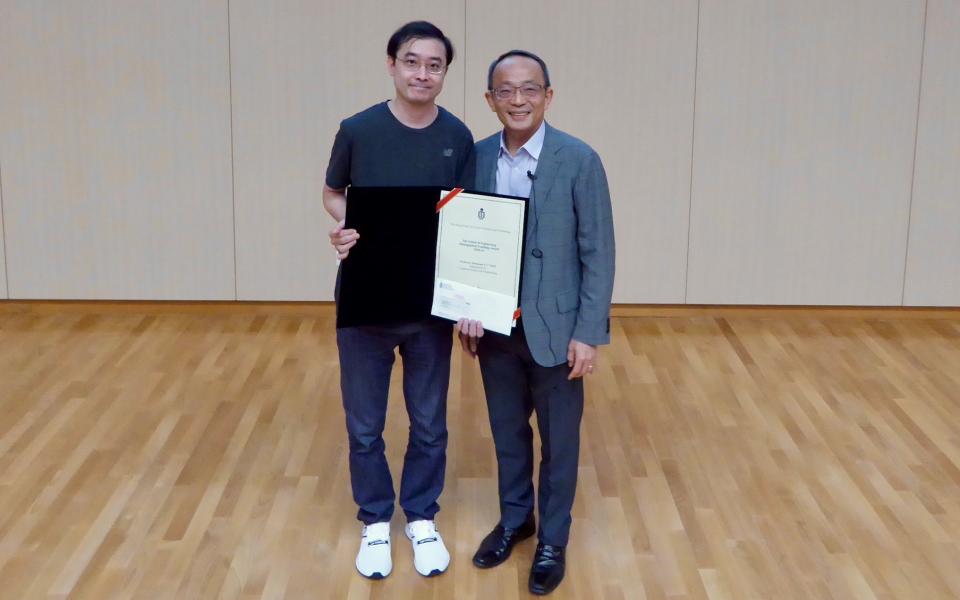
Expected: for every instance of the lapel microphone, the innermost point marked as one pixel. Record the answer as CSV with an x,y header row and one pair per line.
x,y
531,176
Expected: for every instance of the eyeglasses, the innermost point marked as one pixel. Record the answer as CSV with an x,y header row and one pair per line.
x,y
528,90
413,65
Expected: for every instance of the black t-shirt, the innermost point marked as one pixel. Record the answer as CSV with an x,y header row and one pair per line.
x,y
373,148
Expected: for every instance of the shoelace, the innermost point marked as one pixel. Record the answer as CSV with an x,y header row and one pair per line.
x,y
424,532
374,540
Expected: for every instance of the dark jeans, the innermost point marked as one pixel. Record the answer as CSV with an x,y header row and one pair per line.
x,y
366,359
515,386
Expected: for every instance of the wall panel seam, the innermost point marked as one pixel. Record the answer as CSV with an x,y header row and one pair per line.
x,y
3,234
916,139
693,137
233,173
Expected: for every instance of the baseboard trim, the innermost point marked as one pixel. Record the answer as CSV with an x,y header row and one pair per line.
x,y
327,309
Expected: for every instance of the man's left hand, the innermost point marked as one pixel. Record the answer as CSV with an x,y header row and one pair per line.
x,y
581,358
470,333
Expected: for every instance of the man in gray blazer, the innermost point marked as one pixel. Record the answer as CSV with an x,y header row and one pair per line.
x,y
565,292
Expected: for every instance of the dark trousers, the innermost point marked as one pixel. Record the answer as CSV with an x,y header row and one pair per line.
x,y
515,386
366,359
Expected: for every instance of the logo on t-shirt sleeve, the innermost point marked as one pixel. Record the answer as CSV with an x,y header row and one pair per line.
x,y
448,152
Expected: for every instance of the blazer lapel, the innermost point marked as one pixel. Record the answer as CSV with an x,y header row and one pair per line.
x,y
548,165
487,170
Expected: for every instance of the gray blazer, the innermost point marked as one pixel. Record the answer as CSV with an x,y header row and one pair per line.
x,y
565,292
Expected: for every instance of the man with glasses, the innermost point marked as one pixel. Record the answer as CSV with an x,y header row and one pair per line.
x,y
406,141
566,287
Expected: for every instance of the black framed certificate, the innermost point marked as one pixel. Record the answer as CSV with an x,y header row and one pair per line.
x,y
479,258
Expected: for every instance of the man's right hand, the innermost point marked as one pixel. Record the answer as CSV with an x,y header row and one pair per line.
x,y
343,239
469,333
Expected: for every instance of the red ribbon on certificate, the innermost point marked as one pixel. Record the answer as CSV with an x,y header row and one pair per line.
x,y
453,194
516,314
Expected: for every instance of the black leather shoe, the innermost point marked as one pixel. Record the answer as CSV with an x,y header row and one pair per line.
x,y
547,571
496,547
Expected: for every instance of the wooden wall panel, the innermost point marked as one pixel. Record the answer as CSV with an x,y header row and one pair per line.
x,y
803,152
933,259
115,146
4,293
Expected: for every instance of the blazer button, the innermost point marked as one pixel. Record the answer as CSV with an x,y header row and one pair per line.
x,y
537,253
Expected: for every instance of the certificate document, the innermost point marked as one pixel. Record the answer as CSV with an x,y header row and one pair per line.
x,y
479,257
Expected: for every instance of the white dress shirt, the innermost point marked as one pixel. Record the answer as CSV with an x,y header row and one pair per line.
x,y
512,178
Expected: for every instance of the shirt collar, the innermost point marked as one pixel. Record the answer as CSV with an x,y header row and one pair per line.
x,y
533,146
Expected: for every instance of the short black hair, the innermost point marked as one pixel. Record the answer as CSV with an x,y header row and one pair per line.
x,y
523,53
418,30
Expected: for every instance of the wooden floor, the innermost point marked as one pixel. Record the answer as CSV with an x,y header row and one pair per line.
x,y
754,456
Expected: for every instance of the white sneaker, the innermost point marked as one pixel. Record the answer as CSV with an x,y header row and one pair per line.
x,y
430,556
373,559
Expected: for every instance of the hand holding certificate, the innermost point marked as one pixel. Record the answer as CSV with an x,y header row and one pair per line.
x,y
479,258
